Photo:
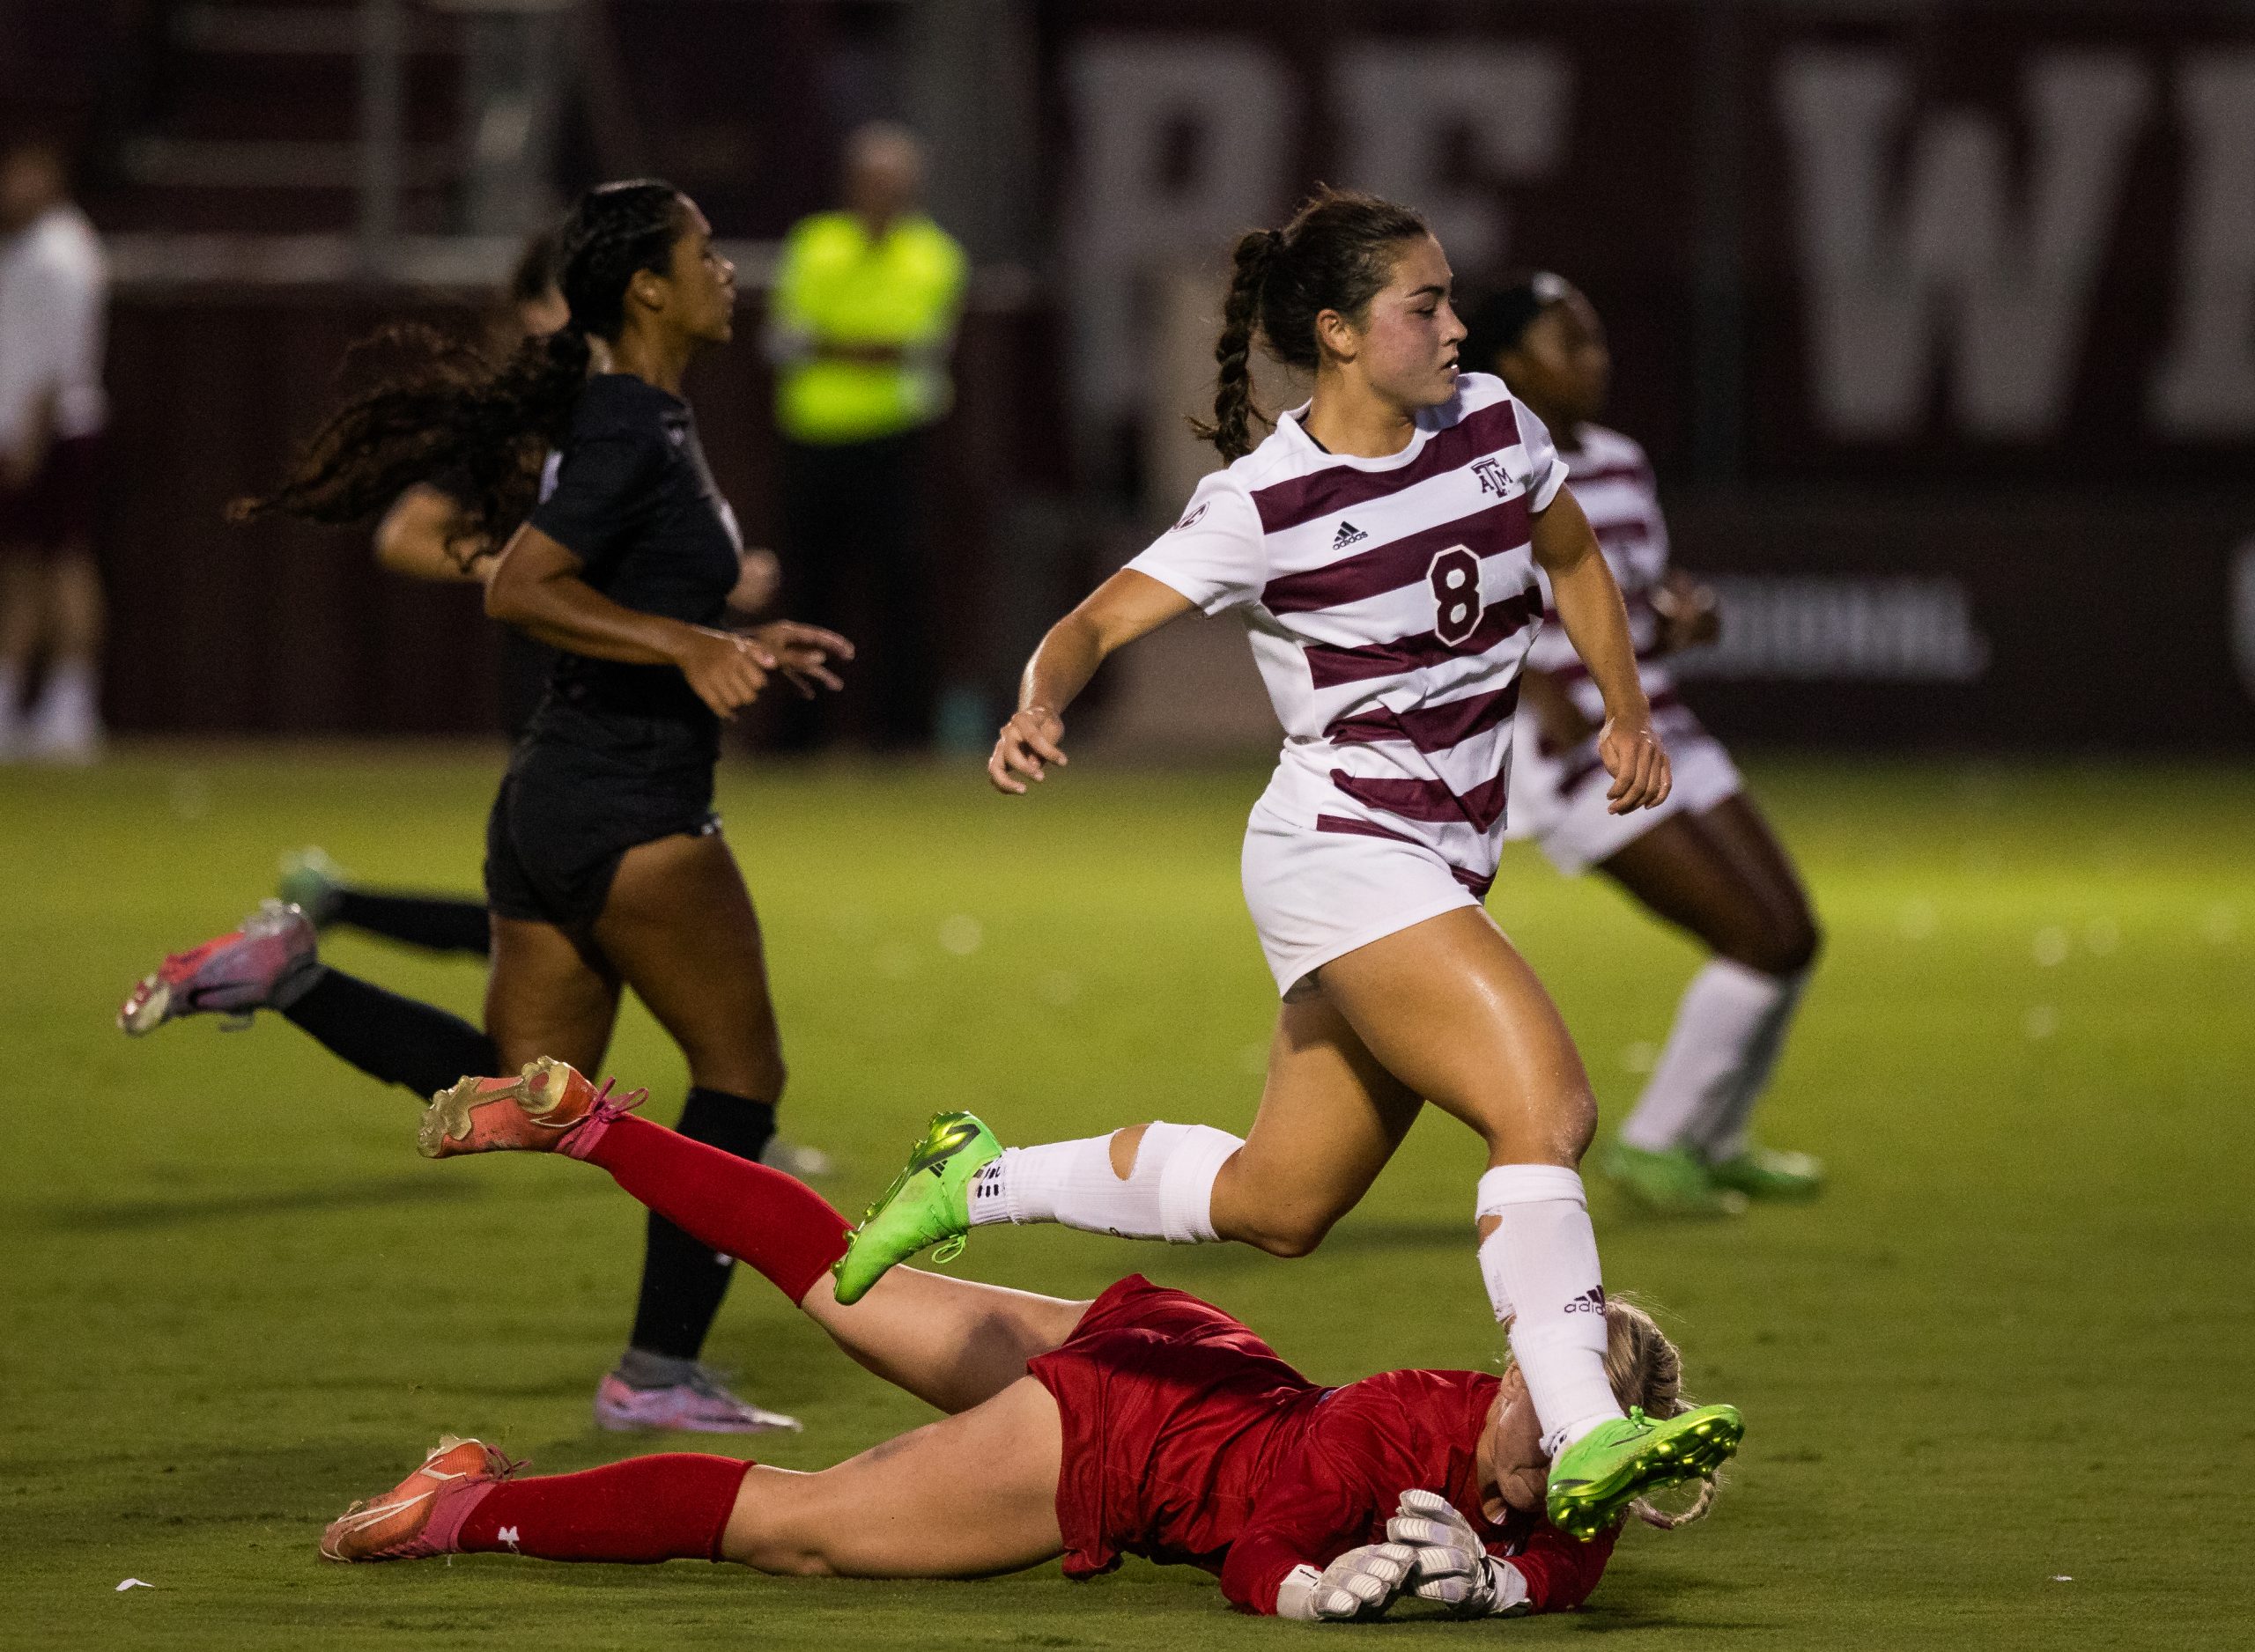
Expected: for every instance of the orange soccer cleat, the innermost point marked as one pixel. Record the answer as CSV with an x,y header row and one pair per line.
x,y
530,1113
422,1515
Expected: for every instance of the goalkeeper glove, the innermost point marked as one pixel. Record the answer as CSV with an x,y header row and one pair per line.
x,y
1361,1583
1452,1566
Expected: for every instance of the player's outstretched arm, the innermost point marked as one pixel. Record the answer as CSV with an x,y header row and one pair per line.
x,y
1124,606
1589,602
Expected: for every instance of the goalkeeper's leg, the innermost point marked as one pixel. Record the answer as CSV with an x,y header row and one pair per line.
x,y
950,1342
968,1496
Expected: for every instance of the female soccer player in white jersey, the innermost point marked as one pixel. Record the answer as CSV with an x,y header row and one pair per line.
x,y
1381,547
1704,858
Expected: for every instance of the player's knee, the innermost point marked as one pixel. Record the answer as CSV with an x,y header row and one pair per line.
x,y
1786,945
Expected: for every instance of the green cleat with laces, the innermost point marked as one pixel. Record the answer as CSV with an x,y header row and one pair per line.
x,y
927,1203
1761,1172
1594,1479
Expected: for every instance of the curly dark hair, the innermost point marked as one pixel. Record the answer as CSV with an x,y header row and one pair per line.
x,y
1337,254
437,405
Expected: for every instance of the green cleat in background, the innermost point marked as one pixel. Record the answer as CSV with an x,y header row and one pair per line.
x,y
1671,1182
313,883
928,1203
1761,1172
1594,1479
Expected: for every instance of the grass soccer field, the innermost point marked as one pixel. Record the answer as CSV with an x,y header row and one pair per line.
x,y
1993,1382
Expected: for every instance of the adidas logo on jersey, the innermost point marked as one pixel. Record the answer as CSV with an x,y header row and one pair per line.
x,y
1590,1302
1347,534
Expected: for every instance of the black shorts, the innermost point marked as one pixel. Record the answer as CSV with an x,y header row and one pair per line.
x,y
579,793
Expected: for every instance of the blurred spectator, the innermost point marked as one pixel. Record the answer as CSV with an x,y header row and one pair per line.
x,y
54,292
862,318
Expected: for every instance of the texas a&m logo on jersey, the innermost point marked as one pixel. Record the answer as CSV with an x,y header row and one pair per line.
x,y
1492,479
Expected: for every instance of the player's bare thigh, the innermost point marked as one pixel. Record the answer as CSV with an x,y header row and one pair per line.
x,y
1722,876
678,926
952,1343
968,1496
1451,1010
543,997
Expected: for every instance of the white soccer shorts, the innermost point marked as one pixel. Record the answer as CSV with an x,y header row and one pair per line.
x,y
1318,895
1559,801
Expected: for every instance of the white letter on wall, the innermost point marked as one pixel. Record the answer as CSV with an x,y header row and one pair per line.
x,y
2009,285
1228,103
1397,104
2205,386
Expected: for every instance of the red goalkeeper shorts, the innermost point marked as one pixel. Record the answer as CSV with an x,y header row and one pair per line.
x,y
1173,1412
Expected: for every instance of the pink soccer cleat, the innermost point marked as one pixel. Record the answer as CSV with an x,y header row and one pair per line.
x,y
701,1404
232,975
530,1113
423,1515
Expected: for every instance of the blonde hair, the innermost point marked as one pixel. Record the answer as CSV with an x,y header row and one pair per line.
x,y
1646,1371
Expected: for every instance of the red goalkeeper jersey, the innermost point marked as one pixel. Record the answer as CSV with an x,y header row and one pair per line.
x,y
1187,1439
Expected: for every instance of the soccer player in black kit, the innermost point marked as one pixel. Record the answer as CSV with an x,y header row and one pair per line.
x,y
605,867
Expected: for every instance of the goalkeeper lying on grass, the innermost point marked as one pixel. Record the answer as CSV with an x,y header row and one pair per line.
x,y
1146,1422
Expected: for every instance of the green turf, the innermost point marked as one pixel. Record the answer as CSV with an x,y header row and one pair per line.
x,y
2009,1349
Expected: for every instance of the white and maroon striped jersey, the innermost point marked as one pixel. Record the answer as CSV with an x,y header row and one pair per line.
x,y
1613,483
1389,603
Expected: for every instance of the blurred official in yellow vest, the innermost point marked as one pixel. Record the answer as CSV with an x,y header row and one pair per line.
x,y
861,321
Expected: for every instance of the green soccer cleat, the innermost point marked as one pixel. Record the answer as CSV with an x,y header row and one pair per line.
x,y
315,884
1594,1479
1673,1182
1761,1172
928,1203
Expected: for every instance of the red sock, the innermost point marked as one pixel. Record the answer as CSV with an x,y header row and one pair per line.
x,y
775,1222
672,1506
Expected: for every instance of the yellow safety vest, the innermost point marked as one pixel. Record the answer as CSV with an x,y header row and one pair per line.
x,y
836,285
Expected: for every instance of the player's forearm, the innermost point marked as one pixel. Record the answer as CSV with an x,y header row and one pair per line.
x,y
567,612
1597,623
1063,664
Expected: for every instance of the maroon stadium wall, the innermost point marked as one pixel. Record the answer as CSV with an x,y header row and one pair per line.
x,y
1939,323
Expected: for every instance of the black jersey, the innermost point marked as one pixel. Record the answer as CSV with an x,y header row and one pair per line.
x,y
634,501
617,755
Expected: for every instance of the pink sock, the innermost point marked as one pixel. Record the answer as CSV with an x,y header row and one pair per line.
x,y
775,1222
671,1507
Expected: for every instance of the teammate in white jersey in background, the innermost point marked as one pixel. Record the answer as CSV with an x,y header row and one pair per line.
x,y
53,299
1381,547
1704,858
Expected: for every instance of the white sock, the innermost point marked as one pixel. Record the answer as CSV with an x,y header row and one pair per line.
x,y
1719,1023
1541,1268
1168,1194
1721,1131
68,712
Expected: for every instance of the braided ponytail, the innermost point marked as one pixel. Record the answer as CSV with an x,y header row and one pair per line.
x,y
443,409
1337,254
1234,406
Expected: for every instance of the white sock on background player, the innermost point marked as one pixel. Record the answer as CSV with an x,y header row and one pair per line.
x,y
67,721
1729,1025
1542,1275
1720,1132
1168,1194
